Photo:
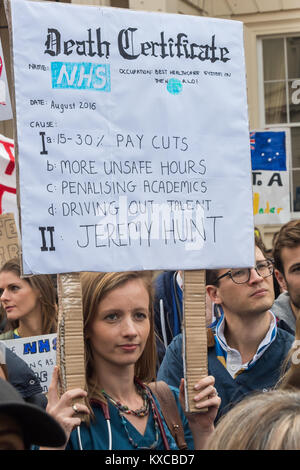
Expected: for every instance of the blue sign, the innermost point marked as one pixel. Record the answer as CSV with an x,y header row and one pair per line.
x,y
268,151
80,75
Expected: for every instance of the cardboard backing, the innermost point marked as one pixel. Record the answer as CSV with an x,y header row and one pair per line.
x,y
194,334
9,239
70,341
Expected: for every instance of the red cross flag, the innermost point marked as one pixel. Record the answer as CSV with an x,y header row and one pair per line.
x,y
8,200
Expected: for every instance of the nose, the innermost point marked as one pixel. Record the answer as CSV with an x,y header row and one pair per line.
x,y
254,276
129,327
4,295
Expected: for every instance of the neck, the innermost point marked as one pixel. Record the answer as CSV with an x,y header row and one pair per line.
x,y
245,334
31,325
119,384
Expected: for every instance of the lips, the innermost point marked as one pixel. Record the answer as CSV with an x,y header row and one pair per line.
x,y
128,347
9,308
259,293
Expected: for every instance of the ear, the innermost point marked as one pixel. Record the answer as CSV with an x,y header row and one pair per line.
x,y
37,293
280,279
213,293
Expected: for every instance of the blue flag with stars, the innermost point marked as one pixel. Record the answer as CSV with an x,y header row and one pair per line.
x,y
268,151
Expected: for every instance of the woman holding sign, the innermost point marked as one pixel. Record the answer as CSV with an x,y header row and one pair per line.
x,y
122,412
29,304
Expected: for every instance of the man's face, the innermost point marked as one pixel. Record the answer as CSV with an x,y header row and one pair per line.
x,y
251,298
290,278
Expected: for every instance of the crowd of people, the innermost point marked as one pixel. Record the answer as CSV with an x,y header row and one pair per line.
x,y
134,363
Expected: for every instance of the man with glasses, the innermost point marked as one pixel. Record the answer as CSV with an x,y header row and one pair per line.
x,y
248,348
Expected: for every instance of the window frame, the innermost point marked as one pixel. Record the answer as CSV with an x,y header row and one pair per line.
x,y
261,111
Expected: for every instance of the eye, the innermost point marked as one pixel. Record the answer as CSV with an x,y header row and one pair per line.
x,y
238,272
111,317
1,292
261,267
295,269
14,288
140,316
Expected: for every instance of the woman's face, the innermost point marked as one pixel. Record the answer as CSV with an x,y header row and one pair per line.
x,y
18,298
121,326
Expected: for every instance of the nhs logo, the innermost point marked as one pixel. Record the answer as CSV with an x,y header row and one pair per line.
x,y
81,76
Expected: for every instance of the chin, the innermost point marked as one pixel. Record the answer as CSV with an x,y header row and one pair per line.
x,y
264,308
126,361
13,317
264,303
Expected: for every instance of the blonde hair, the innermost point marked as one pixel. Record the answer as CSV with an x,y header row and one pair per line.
x,y
44,284
94,287
263,421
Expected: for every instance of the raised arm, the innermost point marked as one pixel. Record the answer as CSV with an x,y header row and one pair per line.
x,y
63,409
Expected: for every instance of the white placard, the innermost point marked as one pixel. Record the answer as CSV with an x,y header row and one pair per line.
x,y
271,197
5,104
39,353
134,147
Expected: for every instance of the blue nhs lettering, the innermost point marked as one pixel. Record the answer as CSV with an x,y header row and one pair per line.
x,y
39,346
81,76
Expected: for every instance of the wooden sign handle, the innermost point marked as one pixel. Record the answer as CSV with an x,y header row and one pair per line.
x,y
70,341
194,334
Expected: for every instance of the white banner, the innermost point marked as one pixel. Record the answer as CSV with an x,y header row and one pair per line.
x,y
5,104
134,148
39,353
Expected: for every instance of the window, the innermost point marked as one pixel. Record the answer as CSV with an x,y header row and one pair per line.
x,y
281,97
119,3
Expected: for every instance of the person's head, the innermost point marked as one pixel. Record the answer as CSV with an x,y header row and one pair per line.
x,y
286,255
118,323
21,296
243,291
23,424
264,421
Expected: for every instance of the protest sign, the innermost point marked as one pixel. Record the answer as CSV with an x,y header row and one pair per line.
x,y
9,239
5,104
8,199
270,176
138,137
39,353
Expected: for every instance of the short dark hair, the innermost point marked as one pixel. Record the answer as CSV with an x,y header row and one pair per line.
x,y
211,276
287,237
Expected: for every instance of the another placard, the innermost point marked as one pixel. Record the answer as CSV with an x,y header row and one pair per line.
x,y
138,136
9,239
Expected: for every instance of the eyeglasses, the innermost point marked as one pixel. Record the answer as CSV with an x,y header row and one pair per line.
x,y
241,276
